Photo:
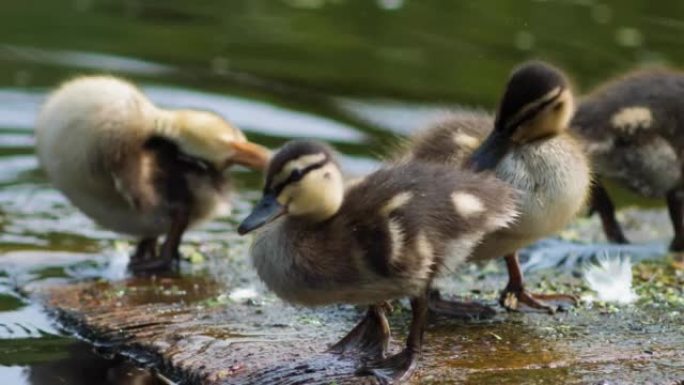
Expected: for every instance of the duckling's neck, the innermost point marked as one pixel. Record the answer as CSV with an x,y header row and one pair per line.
x,y
166,123
315,209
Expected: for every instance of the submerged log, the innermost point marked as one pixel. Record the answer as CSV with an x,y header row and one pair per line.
x,y
190,332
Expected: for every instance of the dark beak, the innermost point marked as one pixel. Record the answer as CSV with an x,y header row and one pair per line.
x,y
267,210
490,152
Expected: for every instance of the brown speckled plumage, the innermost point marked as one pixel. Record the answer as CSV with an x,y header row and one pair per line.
x,y
644,156
383,237
439,141
347,258
633,129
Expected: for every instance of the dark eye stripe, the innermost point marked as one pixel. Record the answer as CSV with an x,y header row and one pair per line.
x,y
295,177
534,111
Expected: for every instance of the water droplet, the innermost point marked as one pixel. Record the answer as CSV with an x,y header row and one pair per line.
x,y
390,5
602,13
524,40
629,37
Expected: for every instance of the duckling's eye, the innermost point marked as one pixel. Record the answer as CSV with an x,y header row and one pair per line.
x,y
558,106
296,175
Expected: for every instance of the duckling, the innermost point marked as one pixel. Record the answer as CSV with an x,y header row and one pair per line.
x,y
528,146
382,238
135,168
632,129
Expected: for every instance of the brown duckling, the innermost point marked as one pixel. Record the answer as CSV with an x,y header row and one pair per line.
x,y
382,238
528,146
135,168
632,129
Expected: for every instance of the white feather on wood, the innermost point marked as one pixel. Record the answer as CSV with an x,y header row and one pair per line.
x,y
611,279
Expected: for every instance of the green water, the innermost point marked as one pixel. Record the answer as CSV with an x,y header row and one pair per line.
x,y
355,73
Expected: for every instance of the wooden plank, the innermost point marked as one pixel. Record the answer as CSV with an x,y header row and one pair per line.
x,y
179,327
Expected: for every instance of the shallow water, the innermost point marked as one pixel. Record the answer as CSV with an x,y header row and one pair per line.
x,y
355,73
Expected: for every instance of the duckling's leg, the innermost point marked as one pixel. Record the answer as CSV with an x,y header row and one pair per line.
x,y
399,367
675,205
515,291
460,310
169,257
145,252
180,220
369,337
601,202
146,249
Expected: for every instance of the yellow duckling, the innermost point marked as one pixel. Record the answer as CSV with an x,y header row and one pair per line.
x,y
135,168
631,128
528,146
384,237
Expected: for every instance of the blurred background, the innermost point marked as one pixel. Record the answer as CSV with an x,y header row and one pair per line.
x,y
356,73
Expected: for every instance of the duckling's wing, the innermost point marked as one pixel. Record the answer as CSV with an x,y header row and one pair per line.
x,y
133,180
633,108
630,128
406,218
452,137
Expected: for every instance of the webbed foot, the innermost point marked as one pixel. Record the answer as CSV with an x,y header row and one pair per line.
x,y
152,266
392,370
677,245
399,367
146,261
459,310
514,294
370,337
512,297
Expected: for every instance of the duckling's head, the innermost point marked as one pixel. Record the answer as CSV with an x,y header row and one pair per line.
x,y
303,180
537,104
208,137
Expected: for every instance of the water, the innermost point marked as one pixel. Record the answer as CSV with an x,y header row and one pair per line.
x,y
356,73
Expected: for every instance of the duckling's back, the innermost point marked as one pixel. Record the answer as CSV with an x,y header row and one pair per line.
x,y
452,137
431,211
632,128
83,129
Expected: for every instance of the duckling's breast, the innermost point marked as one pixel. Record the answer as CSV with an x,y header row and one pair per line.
x,y
319,268
552,179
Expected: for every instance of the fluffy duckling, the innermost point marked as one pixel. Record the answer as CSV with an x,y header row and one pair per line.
x,y
135,168
632,128
528,146
382,238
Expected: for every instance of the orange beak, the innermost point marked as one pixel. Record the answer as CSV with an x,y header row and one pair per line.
x,y
250,155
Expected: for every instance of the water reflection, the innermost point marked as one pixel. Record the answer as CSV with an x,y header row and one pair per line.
x,y
81,366
18,108
398,117
84,60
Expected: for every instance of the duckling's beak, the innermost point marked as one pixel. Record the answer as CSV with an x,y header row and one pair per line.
x,y
267,210
490,152
250,155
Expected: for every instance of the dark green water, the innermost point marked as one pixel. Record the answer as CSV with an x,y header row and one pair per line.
x,y
355,73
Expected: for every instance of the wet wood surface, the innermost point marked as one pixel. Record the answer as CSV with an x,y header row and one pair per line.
x,y
180,328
